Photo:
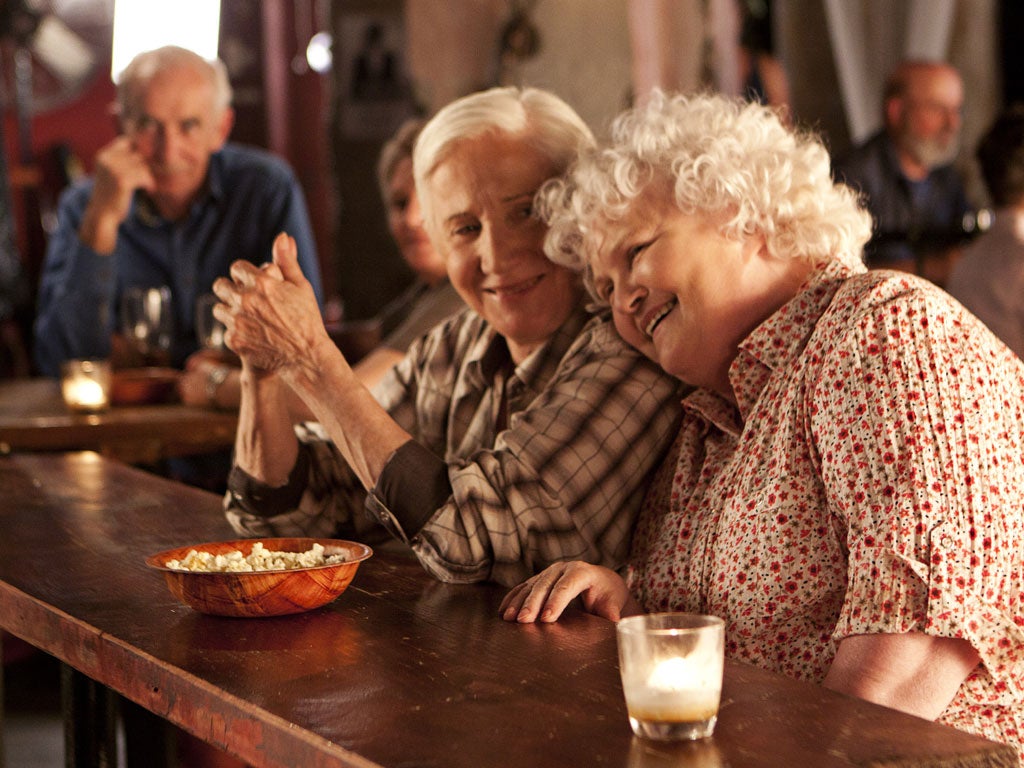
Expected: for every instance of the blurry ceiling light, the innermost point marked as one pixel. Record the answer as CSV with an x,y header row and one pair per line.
x,y
318,52
142,25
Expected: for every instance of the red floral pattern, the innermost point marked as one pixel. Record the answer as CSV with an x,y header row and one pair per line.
x,y
871,480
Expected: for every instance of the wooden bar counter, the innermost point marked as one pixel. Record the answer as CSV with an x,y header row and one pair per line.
x,y
33,417
400,671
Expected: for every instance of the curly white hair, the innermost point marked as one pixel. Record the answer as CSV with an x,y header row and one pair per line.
x,y
719,156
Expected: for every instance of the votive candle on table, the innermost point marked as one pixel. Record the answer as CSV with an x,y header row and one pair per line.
x,y
85,385
671,666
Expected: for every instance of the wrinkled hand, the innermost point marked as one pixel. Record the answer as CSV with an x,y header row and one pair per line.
x,y
270,313
545,596
120,170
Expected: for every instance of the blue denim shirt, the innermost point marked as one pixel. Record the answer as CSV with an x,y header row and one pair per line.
x,y
250,196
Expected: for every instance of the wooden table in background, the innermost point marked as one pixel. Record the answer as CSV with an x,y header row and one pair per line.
x,y
401,670
33,417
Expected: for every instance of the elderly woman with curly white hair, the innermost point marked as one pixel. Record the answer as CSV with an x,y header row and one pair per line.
x,y
845,489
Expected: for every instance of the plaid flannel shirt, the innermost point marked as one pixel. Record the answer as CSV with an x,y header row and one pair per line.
x,y
588,420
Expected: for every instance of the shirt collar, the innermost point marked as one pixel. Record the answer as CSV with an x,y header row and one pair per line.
x,y
772,346
777,342
490,354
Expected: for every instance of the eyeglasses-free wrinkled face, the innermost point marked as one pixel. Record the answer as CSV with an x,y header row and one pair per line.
x,y
176,130
683,293
482,221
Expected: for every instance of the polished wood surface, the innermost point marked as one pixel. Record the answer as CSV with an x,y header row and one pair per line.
x,y
400,671
33,417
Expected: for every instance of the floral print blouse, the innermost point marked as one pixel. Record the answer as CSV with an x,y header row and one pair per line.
x,y
870,479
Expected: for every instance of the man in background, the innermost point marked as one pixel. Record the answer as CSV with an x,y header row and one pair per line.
x,y
172,203
905,171
989,279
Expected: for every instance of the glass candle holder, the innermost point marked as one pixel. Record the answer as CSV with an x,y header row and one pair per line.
x,y
671,666
85,385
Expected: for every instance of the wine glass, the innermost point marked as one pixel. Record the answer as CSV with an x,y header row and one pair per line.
x,y
209,330
147,322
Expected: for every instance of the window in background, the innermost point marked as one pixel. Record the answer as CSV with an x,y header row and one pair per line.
x,y
142,25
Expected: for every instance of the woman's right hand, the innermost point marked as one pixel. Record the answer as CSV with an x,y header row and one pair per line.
x,y
545,596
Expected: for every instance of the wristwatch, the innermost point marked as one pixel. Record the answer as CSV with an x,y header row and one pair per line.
x,y
214,378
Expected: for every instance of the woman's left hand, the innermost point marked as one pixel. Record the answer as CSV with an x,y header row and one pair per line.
x,y
545,596
270,313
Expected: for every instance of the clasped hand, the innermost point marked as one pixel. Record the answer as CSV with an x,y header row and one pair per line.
x,y
270,313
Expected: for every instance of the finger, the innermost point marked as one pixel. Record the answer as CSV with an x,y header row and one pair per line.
x,y
512,601
562,593
244,273
533,595
223,288
573,580
286,257
271,269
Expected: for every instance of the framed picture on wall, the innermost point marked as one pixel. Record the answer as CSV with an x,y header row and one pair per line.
x,y
372,78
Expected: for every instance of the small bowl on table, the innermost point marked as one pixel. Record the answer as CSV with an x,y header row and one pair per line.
x,y
265,592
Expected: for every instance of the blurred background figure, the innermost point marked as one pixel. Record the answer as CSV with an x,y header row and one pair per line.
x,y
171,204
431,297
905,171
989,279
764,75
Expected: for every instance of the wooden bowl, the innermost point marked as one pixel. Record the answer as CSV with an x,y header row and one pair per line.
x,y
261,593
144,386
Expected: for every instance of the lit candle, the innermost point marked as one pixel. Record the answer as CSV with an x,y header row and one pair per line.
x,y
671,667
85,384
679,690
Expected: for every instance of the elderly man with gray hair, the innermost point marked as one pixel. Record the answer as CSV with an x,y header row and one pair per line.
x,y
171,204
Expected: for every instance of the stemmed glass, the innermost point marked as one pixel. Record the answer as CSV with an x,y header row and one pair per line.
x,y
147,323
209,330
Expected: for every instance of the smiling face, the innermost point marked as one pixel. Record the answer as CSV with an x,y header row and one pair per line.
x,y
684,294
481,221
176,129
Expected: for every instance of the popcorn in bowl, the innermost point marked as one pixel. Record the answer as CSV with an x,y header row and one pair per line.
x,y
249,578
259,559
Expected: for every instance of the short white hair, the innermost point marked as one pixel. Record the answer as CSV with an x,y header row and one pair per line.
x,y
148,64
718,155
547,123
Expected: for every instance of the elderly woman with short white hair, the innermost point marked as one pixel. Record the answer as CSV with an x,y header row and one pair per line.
x,y
516,434
845,489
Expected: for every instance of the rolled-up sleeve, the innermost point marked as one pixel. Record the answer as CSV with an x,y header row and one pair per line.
x,y
318,499
933,518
